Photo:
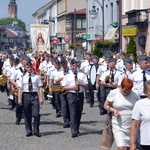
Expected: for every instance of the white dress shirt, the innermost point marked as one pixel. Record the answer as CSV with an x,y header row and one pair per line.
x,y
36,82
69,80
137,78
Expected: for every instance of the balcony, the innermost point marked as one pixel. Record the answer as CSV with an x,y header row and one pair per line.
x,y
138,17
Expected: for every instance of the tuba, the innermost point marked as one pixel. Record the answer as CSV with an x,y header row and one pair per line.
x,y
3,80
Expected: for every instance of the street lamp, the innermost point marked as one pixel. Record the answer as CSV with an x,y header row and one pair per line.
x,y
94,14
68,23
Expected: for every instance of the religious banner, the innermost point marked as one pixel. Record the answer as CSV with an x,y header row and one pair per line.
x,y
40,38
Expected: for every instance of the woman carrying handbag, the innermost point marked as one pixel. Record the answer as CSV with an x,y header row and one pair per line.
x,y
120,102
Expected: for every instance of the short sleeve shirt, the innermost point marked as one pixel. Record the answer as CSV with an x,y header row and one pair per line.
x,y
141,111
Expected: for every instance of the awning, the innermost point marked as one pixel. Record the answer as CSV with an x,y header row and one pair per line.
x,y
111,34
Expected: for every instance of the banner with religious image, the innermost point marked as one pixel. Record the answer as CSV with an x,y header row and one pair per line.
x,y
40,38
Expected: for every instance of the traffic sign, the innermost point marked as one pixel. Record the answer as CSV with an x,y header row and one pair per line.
x,y
86,36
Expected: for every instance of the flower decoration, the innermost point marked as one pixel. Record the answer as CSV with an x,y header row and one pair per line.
x,y
106,43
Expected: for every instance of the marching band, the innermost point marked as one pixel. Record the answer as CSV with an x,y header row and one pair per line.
x,y
66,82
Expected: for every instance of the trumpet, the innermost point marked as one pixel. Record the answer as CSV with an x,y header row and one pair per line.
x,y
59,88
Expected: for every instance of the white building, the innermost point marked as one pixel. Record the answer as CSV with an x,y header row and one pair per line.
x,y
97,27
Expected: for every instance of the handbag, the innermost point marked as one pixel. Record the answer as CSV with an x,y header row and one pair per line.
x,y
107,138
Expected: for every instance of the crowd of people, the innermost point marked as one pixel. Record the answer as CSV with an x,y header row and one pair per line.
x,y
121,85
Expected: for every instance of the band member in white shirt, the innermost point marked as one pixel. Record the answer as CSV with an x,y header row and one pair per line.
x,y
75,83
29,85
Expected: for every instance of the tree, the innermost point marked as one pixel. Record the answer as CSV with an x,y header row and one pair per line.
x,y
5,21
97,51
131,48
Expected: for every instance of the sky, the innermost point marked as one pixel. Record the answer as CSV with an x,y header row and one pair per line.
x,y
25,9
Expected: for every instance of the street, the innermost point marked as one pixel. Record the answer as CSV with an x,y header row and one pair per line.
x,y
54,136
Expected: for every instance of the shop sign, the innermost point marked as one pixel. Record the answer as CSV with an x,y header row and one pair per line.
x,y
129,31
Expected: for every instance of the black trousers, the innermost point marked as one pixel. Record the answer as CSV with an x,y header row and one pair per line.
x,y
80,103
19,110
57,102
72,102
91,93
144,147
31,108
65,109
104,91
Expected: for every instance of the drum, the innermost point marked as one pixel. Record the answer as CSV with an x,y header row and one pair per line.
x,y
93,75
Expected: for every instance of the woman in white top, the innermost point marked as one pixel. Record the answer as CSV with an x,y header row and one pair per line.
x,y
141,119
120,102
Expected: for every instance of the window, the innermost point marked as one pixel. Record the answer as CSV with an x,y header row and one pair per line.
x,y
111,11
81,23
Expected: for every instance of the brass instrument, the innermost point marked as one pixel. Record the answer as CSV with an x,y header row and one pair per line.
x,y
59,88
46,90
42,74
14,92
3,80
107,79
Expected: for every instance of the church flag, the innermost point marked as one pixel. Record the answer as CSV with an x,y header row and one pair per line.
x,y
40,38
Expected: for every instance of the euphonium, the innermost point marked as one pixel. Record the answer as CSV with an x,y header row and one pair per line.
x,y
3,80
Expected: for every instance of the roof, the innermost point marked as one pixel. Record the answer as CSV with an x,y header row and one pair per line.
x,y
43,9
81,11
11,33
15,27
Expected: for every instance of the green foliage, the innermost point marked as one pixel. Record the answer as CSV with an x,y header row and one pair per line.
x,y
75,45
71,46
97,51
131,48
5,21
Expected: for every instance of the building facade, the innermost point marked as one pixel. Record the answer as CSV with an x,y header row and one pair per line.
x,y
135,22
55,13
107,12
